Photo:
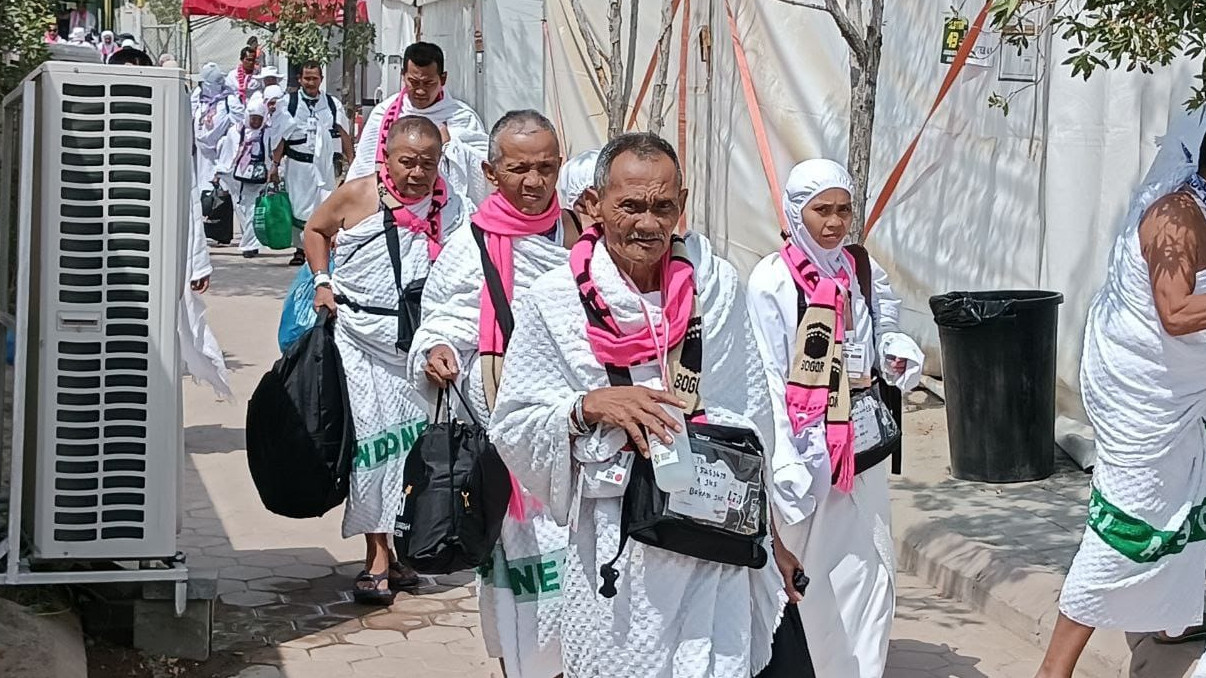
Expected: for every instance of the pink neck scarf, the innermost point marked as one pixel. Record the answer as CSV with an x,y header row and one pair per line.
x,y
609,344
809,403
431,226
391,116
501,222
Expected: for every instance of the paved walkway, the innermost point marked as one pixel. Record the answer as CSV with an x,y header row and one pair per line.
x,y
285,609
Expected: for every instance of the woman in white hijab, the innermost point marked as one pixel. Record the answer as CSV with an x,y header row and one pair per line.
x,y
108,45
577,175
244,162
826,323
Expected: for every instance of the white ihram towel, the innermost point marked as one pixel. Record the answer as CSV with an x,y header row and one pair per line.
x,y
674,615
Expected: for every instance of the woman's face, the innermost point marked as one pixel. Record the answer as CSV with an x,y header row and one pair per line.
x,y
827,217
255,121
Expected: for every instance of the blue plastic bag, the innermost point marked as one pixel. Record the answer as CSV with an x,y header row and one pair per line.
x,y
298,314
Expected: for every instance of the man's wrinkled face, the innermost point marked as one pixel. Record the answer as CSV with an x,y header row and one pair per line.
x,y
639,209
311,79
413,162
424,83
526,173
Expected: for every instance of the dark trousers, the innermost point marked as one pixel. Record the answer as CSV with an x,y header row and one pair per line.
x,y
789,649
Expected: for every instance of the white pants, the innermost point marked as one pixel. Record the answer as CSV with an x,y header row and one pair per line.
x,y
846,550
302,181
244,203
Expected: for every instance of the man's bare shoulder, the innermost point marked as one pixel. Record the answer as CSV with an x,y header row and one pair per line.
x,y
1175,213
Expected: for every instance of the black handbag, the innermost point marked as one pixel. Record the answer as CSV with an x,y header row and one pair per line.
x,y
456,493
208,201
410,296
731,462
300,437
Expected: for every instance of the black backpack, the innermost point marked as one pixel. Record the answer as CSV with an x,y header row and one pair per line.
x,y
456,494
300,438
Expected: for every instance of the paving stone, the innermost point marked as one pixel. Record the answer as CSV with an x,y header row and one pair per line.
x,y
350,610
468,604
415,606
249,598
245,572
328,623
303,571
456,579
317,669
918,660
456,619
449,594
394,620
349,569
313,596
412,649
287,611
374,637
269,560
231,585
345,653
197,542
206,562
278,584
468,647
311,641
438,634
386,666
259,671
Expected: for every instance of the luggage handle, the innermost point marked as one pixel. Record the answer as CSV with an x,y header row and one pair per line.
x,y
442,393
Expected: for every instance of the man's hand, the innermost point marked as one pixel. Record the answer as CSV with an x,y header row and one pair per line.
x,y
324,297
634,409
200,285
441,366
444,134
788,565
274,176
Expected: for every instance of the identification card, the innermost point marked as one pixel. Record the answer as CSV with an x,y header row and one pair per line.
x,y
855,356
615,474
866,423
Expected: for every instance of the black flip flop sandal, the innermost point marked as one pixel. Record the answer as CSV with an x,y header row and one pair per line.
x,y
402,577
1191,634
372,595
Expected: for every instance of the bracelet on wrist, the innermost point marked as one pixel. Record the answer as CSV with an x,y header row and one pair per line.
x,y
321,279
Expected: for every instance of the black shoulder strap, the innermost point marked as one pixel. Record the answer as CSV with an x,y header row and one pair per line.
x,y
574,218
862,270
395,260
293,98
502,307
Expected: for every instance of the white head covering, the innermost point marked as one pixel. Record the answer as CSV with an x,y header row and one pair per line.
x,y
77,34
577,175
129,43
806,180
255,106
273,92
107,34
268,72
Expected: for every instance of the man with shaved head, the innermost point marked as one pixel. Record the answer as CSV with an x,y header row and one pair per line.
x,y
388,228
516,236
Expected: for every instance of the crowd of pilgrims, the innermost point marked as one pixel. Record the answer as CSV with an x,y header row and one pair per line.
x,y
618,334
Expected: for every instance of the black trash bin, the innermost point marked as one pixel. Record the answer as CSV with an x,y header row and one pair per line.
x,y
998,365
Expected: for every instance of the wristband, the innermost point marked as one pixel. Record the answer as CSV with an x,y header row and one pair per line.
x,y
322,278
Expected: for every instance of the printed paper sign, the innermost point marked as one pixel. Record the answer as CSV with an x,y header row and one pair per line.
x,y
866,424
708,498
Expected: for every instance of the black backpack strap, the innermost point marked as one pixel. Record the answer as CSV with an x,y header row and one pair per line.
x,y
395,259
618,376
334,117
293,99
494,286
862,271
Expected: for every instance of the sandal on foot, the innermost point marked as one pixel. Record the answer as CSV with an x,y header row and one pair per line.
x,y
402,576
372,594
1189,635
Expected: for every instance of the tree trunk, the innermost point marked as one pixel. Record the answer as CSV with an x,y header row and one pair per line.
x,y
864,83
657,113
615,92
347,91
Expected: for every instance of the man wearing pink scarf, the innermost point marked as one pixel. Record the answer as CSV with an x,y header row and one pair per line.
x,y
464,336
406,202
424,92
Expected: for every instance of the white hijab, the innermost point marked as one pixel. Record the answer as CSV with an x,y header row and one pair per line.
x,y
255,106
806,180
577,175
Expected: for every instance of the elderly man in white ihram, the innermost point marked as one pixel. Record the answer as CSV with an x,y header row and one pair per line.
x,y
668,317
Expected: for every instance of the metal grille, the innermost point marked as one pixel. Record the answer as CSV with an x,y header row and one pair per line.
x,y
104,290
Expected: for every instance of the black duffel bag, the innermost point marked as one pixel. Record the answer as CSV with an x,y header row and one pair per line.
x,y
300,437
456,494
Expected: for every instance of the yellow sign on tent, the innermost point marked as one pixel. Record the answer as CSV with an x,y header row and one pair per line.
x,y
954,30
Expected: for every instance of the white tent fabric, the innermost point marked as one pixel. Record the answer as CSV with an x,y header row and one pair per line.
x,y
1028,200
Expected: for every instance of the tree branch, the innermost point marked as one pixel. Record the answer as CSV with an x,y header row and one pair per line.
x,y
635,14
592,47
657,116
850,32
615,90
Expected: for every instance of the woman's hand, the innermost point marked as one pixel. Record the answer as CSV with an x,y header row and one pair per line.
x,y
634,409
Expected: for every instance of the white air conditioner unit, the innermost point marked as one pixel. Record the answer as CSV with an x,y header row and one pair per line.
x,y
102,176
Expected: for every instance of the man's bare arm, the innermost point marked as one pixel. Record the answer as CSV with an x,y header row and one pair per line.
x,y
349,149
324,223
1170,237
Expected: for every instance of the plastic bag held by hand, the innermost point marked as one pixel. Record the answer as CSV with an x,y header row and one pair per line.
x,y
298,315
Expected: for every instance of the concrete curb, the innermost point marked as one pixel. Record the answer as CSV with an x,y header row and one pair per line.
x,y
1018,595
